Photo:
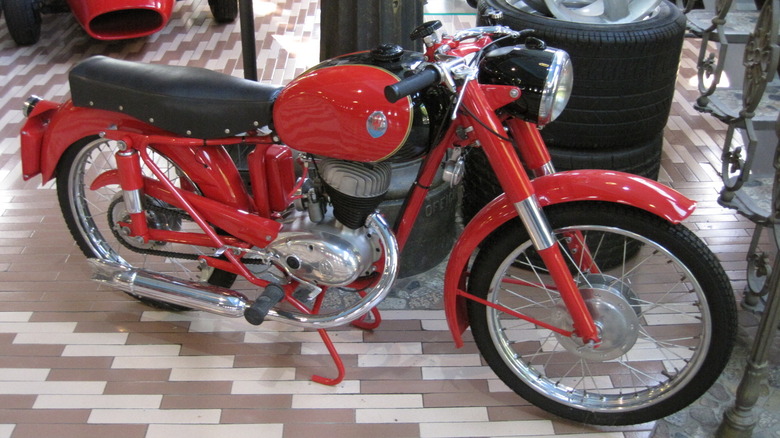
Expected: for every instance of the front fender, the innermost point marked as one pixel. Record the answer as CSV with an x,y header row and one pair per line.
x,y
558,188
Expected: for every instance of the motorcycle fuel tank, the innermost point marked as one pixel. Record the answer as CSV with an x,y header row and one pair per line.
x,y
338,109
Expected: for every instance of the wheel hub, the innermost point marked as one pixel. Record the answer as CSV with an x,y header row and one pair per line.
x,y
615,310
156,218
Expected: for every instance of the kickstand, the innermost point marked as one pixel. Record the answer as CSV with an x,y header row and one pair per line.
x,y
363,322
325,339
336,360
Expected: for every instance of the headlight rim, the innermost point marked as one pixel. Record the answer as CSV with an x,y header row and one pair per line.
x,y
560,77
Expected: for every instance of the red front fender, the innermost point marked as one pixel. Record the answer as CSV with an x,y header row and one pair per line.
x,y
571,186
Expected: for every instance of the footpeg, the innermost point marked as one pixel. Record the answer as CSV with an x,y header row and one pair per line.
x,y
255,314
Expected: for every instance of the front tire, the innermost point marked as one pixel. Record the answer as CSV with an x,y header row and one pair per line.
x,y
93,217
666,315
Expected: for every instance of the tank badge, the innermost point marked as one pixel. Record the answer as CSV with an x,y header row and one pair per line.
x,y
377,124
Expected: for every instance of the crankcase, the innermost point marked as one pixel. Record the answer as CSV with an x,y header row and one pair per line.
x,y
326,253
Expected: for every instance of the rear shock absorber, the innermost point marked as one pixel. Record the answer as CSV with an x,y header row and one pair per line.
x,y
129,166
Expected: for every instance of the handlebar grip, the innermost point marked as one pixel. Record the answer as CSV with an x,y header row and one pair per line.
x,y
412,84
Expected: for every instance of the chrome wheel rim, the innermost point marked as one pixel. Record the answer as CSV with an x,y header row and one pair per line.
x,y
670,345
591,11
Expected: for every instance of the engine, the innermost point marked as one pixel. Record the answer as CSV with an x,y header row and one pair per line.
x,y
354,189
326,253
334,248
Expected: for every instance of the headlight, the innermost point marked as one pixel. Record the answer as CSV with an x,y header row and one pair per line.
x,y
545,77
560,77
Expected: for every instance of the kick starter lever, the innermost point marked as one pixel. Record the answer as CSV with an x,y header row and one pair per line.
x,y
258,310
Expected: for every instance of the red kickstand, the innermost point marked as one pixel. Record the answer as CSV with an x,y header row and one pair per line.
x,y
336,359
363,323
326,340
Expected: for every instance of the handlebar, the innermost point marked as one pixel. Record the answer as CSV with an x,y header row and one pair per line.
x,y
476,32
429,76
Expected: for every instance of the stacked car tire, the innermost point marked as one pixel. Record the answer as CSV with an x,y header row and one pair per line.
x,y
624,81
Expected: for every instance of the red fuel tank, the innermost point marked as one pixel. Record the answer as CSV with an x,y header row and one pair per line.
x,y
338,109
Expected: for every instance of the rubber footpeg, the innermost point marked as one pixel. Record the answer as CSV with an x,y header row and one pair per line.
x,y
255,314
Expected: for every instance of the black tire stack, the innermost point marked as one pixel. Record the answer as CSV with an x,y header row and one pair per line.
x,y
624,80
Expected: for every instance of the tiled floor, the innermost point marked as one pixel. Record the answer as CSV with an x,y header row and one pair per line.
x,y
78,360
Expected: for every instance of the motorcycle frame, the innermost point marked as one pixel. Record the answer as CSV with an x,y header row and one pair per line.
x,y
226,204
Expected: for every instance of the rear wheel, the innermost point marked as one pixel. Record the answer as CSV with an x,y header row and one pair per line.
x,y
23,18
666,315
94,217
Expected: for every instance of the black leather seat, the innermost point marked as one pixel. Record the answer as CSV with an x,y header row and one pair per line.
x,y
187,101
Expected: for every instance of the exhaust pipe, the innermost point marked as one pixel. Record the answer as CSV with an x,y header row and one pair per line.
x,y
161,287
121,19
227,302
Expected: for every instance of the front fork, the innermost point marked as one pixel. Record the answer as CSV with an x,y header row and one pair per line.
x,y
517,186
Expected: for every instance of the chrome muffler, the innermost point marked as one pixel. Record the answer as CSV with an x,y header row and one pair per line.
x,y
173,290
227,302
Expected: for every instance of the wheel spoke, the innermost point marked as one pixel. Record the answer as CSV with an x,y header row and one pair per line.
x,y
615,10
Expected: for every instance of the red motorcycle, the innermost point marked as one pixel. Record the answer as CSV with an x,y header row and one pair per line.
x,y
583,291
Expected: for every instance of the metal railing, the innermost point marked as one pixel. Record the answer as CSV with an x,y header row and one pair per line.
x,y
740,176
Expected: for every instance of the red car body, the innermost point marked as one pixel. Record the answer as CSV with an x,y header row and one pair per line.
x,y
121,19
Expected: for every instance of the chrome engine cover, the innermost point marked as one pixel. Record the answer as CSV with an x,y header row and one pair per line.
x,y
326,253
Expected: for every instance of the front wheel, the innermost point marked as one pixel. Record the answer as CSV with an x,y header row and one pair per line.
x,y
666,315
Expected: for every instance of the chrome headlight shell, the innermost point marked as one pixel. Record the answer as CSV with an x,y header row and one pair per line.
x,y
557,90
545,77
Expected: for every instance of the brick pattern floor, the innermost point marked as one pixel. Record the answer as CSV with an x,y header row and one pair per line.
x,y
79,360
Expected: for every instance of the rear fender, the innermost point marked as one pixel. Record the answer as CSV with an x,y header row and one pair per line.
x,y
558,188
31,135
51,129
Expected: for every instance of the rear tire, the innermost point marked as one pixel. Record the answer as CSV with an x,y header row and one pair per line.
x,y
92,215
667,317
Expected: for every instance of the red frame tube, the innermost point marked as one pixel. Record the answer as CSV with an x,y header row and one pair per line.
x,y
518,188
416,198
531,145
129,169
